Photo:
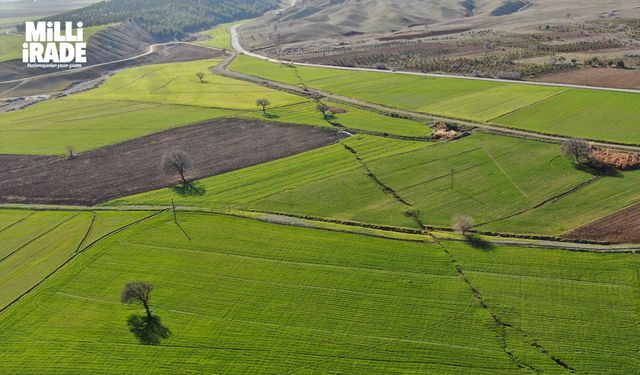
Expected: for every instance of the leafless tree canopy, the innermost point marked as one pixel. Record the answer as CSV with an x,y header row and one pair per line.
x,y
137,292
322,108
264,103
576,150
200,76
177,162
463,224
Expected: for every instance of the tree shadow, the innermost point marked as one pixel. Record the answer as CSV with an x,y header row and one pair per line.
x,y
189,189
478,242
148,330
601,171
270,115
330,117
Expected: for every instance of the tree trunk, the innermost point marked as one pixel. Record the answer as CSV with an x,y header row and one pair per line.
x,y
146,307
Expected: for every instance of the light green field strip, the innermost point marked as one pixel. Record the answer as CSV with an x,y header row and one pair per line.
x,y
600,115
497,180
612,116
558,298
248,297
219,36
130,105
35,246
11,45
177,84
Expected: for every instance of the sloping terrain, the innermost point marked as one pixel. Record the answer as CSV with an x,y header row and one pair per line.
x,y
136,166
312,20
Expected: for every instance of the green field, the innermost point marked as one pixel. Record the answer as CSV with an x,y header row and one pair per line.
x,y
245,297
218,36
499,181
140,101
591,114
35,243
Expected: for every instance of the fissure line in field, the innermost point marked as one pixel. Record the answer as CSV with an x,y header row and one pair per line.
x,y
502,325
386,189
39,236
75,254
88,232
545,202
528,105
16,222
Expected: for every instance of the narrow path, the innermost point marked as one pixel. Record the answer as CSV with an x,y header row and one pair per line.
x,y
235,42
550,243
223,69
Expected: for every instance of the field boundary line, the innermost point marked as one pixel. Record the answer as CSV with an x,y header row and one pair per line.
x,y
529,105
50,274
487,127
524,194
507,239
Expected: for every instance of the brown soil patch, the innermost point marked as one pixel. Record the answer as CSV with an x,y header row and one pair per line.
x,y
600,77
621,227
136,166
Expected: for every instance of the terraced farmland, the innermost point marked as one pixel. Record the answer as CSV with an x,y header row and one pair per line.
x,y
296,299
598,115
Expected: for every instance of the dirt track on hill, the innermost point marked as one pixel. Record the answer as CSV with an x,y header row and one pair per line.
x,y
621,227
136,166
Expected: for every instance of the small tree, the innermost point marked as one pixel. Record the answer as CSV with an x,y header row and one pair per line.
x,y
576,150
71,152
137,292
463,224
177,162
264,103
322,108
200,76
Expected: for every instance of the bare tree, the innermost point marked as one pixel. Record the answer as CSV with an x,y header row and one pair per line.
x,y
577,150
177,162
463,224
137,292
200,76
322,108
264,103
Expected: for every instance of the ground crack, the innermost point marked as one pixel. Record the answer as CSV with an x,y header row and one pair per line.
x,y
501,324
413,214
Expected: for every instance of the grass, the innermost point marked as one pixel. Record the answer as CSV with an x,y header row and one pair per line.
x,y
601,115
506,184
218,36
35,243
141,101
248,297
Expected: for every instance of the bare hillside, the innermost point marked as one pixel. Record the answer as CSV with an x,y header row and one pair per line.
x,y
310,20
